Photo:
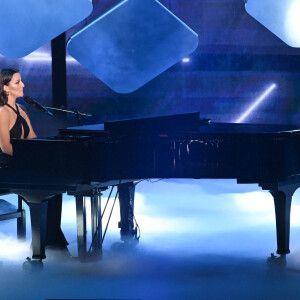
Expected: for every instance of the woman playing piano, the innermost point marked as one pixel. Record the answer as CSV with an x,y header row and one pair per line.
x,y
14,122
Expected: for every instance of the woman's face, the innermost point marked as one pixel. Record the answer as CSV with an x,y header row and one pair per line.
x,y
15,86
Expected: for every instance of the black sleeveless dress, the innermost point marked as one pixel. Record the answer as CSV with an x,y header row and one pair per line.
x,y
15,133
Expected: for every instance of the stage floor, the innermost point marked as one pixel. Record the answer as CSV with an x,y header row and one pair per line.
x,y
200,239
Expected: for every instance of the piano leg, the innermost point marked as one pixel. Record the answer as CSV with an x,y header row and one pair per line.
x,y
38,213
37,201
126,199
282,196
21,222
54,234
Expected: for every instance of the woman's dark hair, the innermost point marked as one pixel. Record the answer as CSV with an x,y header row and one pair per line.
x,y
5,77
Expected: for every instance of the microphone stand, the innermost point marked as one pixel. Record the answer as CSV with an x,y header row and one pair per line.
x,y
79,115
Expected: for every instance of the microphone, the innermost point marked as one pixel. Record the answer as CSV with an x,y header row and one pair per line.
x,y
37,105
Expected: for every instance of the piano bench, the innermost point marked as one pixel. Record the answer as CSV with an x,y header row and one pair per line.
x,y
9,211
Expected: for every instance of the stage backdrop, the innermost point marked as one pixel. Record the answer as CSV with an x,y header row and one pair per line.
x,y
236,62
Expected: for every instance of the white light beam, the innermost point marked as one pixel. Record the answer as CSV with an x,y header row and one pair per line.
x,y
256,103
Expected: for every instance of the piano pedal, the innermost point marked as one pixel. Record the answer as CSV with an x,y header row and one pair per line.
x,y
32,265
276,261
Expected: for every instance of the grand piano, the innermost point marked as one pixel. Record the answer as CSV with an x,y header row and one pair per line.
x,y
84,160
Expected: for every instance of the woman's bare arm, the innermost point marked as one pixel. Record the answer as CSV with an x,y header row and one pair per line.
x,y
5,144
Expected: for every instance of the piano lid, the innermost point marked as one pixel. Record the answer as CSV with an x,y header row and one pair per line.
x,y
187,122
179,123
86,130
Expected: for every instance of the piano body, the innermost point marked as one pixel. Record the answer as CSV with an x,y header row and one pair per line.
x,y
83,160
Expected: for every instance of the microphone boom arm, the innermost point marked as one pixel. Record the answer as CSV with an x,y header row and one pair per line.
x,y
79,115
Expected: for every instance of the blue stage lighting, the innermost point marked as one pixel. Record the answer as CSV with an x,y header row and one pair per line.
x,y
27,25
256,103
132,43
282,17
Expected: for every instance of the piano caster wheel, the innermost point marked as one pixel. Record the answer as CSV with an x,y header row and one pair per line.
x,y
128,243
129,240
30,266
276,261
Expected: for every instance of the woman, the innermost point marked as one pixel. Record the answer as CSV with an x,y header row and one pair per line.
x,y
14,122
